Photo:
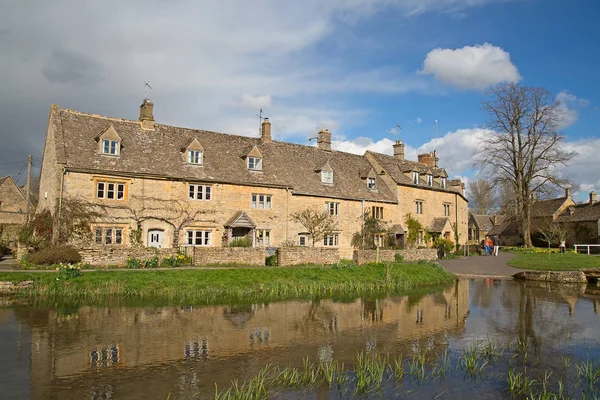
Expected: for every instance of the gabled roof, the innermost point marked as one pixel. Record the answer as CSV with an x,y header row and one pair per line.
x,y
546,208
8,179
438,224
486,222
580,213
3,178
158,154
239,220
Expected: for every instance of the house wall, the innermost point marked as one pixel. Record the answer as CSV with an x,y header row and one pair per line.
x,y
12,212
51,172
287,256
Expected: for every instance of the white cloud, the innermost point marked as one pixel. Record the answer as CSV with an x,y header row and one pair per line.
x,y
418,120
471,67
569,107
583,168
255,102
361,144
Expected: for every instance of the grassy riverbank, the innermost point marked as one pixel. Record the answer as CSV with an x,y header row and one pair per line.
x,y
249,284
540,261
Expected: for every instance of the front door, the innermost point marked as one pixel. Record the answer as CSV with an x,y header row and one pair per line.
x,y
156,238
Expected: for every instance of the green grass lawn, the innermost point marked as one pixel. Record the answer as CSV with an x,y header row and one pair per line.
x,y
214,286
555,262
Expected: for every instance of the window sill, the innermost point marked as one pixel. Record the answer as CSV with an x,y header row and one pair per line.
x,y
110,155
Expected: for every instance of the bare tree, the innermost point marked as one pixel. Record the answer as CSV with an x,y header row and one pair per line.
x,y
317,223
482,196
552,232
523,149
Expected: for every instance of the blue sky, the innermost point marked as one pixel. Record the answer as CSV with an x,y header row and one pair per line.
x,y
348,65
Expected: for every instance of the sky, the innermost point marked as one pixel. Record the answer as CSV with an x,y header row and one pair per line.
x,y
356,67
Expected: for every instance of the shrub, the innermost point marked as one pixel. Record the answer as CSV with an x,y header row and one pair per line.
x,y
133,263
271,261
445,243
151,262
399,258
55,255
68,271
245,241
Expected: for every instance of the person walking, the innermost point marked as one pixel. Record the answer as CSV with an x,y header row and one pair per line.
x,y
486,244
496,242
562,246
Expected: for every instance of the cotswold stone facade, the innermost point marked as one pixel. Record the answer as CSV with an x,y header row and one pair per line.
x,y
13,208
162,186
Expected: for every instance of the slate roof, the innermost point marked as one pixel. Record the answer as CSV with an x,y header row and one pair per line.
x,y
580,213
2,179
396,170
546,208
159,153
486,222
438,224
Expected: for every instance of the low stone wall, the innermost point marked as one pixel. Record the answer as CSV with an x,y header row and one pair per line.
x,y
117,256
229,255
11,287
552,276
287,256
370,256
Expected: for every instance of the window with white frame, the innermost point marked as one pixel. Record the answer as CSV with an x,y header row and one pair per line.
x,y
371,183
429,180
110,147
303,240
255,163
331,239
443,183
415,176
419,206
198,237
263,237
377,212
262,201
327,177
379,240
200,192
108,235
110,190
332,208
194,157
447,210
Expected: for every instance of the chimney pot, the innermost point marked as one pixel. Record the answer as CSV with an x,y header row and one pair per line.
x,y
593,198
146,115
568,192
324,140
426,158
399,150
266,131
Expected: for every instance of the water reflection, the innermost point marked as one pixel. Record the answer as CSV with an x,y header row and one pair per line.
x,y
103,352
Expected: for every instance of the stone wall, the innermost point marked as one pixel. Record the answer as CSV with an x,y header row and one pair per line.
x,y
229,255
287,256
370,256
103,256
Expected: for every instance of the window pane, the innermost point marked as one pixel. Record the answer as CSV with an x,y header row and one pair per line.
x,y
198,238
100,191
192,193
190,156
120,191
98,236
118,236
207,235
113,147
110,191
200,194
261,201
207,192
268,201
105,146
190,238
253,201
108,236
257,163
268,238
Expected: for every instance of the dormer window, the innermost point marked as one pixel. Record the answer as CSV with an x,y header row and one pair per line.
x,y
429,180
194,157
443,183
371,184
415,177
327,177
255,163
110,147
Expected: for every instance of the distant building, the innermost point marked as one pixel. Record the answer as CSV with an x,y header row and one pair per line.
x,y
13,208
174,186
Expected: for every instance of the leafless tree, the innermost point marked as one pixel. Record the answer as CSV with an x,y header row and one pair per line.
x,y
482,196
523,149
552,232
317,223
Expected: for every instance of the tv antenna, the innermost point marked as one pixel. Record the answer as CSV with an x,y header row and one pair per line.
x,y
260,121
146,86
398,127
435,122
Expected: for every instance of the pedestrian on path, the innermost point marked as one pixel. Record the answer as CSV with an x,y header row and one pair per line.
x,y
487,245
496,242
562,246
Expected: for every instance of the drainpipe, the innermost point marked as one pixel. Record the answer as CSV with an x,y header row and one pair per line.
x,y
362,226
62,184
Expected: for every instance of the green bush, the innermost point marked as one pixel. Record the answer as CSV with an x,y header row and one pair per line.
x,y
175,260
399,258
55,255
447,244
151,262
245,241
271,261
134,263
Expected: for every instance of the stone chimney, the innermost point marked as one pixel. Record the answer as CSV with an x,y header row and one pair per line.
x,y
146,116
568,192
266,131
593,198
426,158
399,150
324,140
434,159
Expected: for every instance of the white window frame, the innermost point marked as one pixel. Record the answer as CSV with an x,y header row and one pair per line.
x,y
429,180
331,240
262,237
108,236
447,208
111,147
371,183
261,201
377,212
415,177
195,157
198,237
419,207
200,192
443,183
116,190
255,163
327,177
332,208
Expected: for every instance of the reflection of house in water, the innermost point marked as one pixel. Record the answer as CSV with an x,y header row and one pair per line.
x,y
231,342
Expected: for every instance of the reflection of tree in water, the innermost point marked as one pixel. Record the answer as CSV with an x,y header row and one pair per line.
x,y
318,318
372,310
239,315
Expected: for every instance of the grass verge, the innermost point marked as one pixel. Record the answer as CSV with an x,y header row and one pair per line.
x,y
539,261
240,285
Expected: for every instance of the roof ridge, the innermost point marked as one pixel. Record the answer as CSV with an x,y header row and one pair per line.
x,y
98,116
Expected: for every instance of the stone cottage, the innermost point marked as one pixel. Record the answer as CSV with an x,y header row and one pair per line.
x,y
13,208
168,186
